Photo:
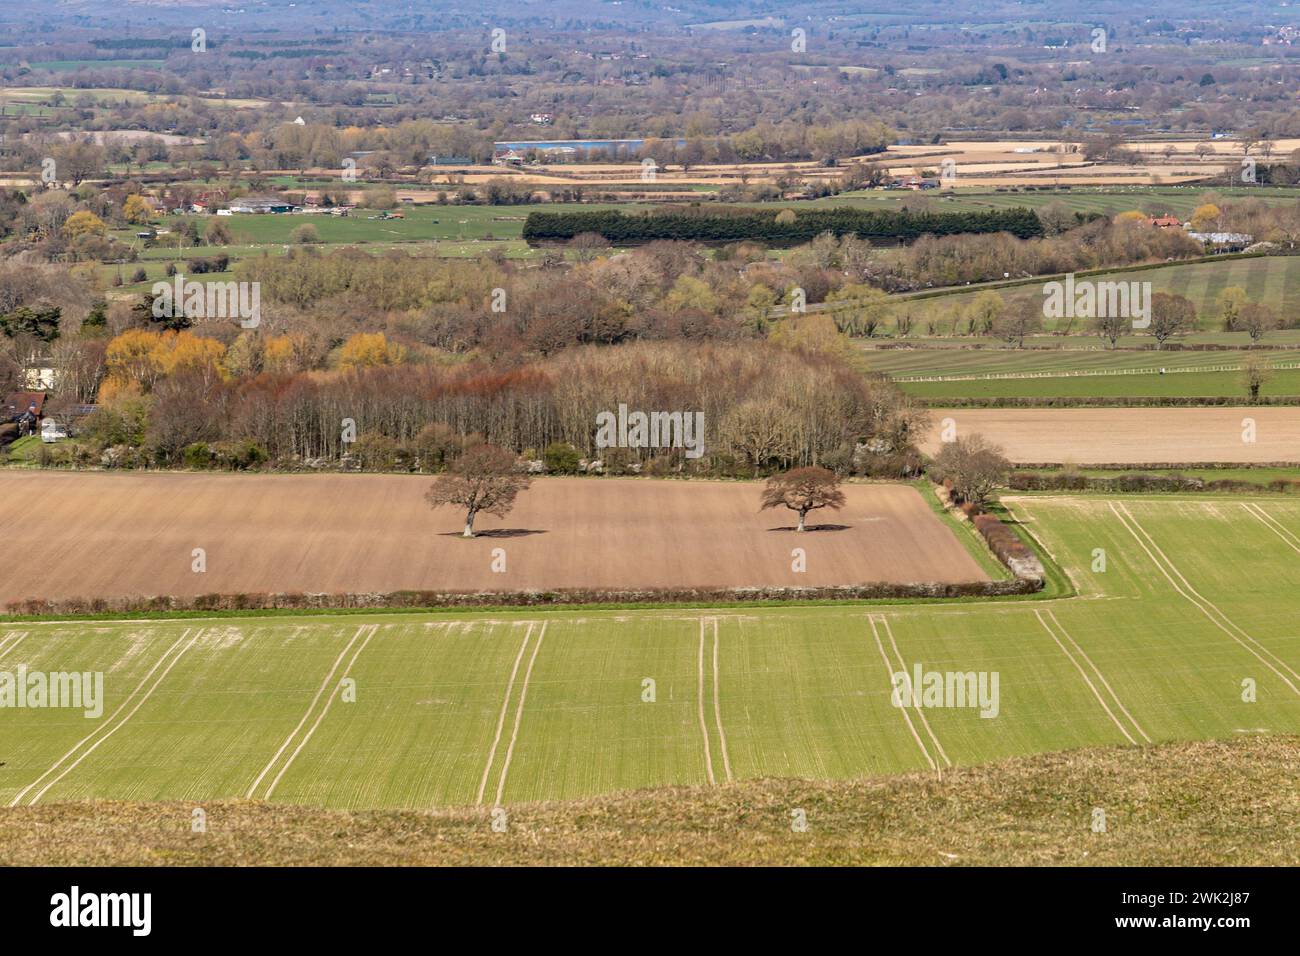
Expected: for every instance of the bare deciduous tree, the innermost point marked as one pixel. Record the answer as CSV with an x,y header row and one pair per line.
x,y
974,466
803,490
1255,373
1171,315
484,478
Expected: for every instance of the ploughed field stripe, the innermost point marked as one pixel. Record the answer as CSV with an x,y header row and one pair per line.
x,y
310,710
717,708
902,666
519,715
112,725
324,710
501,719
907,719
1203,604
704,726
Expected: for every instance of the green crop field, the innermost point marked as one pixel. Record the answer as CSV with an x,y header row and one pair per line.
x,y
1272,280
389,710
1109,200
944,373
1285,382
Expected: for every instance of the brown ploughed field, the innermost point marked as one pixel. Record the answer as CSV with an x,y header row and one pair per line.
x,y
1135,436
117,535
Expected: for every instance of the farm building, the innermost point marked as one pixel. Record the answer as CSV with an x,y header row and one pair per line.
x,y
1224,241
261,205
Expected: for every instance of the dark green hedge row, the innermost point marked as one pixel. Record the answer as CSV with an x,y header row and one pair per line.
x,y
1144,482
762,226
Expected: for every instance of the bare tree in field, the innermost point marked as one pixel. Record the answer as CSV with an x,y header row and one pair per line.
x,y
1171,315
484,478
803,490
1111,328
974,466
1018,322
1255,373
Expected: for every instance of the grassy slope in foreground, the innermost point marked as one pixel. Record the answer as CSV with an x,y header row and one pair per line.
x,y
1209,803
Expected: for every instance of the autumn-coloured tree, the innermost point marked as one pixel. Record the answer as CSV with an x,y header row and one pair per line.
x,y
84,223
369,350
803,490
484,478
136,210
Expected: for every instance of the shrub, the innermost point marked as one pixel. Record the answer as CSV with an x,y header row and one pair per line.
x,y
239,455
197,455
561,458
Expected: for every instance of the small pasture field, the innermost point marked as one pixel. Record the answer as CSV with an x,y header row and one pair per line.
x,y
436,710
1129,436
374,532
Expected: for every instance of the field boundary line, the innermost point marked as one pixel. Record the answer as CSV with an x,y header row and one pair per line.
x,y
374,629
501,719
1084,674
1100,676
310,707
907,718
889,632
519,714
1080,373
1203,602
699,698
717,707
120,724
120,707
1270,522
12,640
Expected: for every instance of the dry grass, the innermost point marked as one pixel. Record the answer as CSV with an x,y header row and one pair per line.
x,y
1208,803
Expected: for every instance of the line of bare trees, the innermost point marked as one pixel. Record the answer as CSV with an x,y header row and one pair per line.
x,y
763,408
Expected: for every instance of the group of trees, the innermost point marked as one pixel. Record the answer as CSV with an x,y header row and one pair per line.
x,y
487,479
762,407
784,227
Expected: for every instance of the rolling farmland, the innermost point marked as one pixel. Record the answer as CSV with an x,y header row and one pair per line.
x,y
456,709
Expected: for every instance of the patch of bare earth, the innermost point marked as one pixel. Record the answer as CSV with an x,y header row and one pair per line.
x,y
113,535
1134,436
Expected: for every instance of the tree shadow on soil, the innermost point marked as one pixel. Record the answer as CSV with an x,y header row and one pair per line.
x,y
495,533
814,527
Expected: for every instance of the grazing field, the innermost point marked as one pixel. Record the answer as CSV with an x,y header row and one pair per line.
x,y
434,710
1129,436
362,533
